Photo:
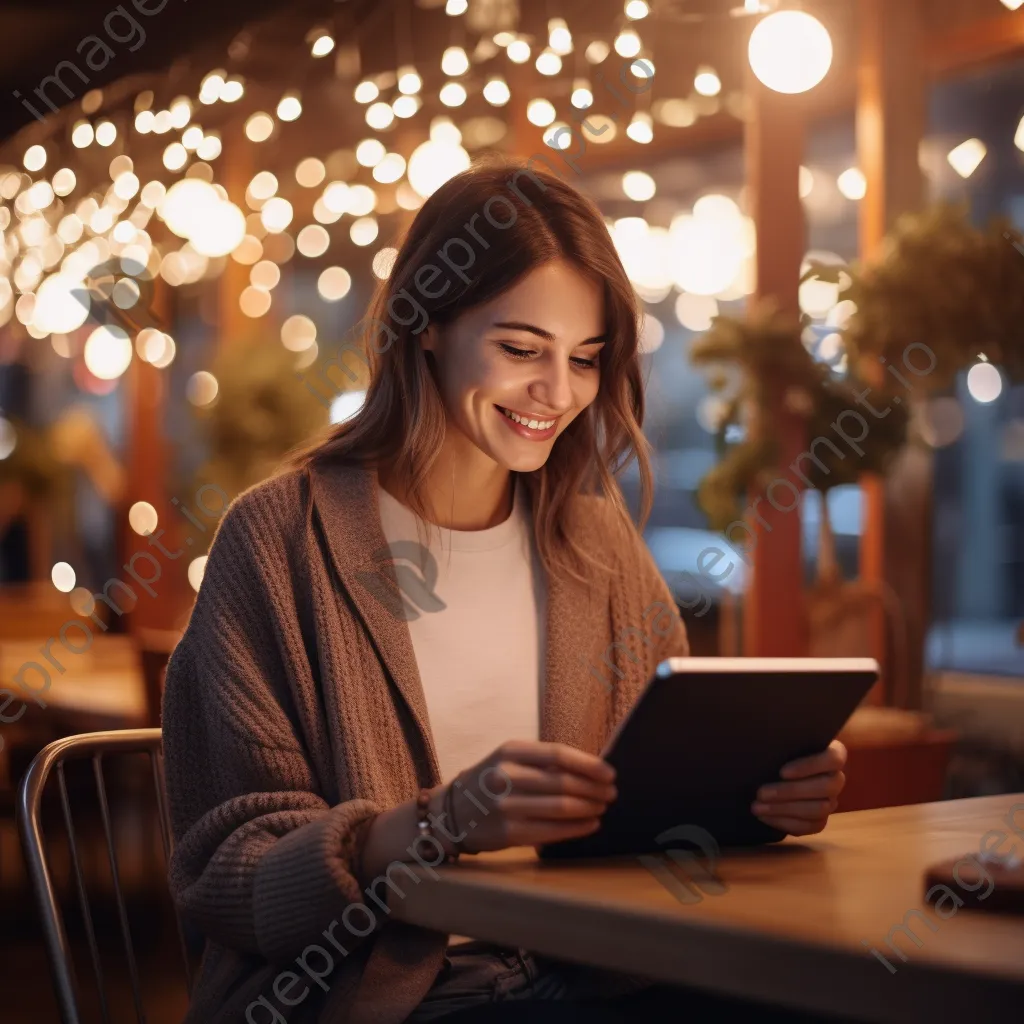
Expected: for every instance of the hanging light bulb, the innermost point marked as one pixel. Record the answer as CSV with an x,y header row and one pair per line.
x,y
290,107
582,94
518,51
706,82
790,51
559,36
454,61
636,9
379,115
984,382
641,127
366,92
627,43
497,93
540,112
452,94
456,7
548,62
965,158
322,45
409,81
405,106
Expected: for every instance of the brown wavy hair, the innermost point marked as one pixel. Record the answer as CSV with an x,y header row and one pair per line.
x,y
476,236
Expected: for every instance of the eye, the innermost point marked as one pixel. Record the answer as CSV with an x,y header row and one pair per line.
x,y
587,364
517,353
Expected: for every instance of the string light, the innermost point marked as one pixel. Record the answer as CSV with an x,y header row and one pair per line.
x,y
366,92
548,62
627,43
259,127
582,94
540,112
559,36
82,135
454,8
497,92
636,9
363,231
322,45
106,133
409,81
597,51
390,169
452,94
518,51
311,172
706,82
405,106
638,185
965,158
290,107
379,116
790,51
852,183
233,90
454,61
370,152
641,127
334,284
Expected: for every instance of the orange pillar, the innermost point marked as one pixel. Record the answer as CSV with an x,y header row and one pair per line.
x,y
774,618
890,126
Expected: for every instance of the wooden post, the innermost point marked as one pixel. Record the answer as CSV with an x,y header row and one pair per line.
x,y
238,166
774,619
147,467
895,547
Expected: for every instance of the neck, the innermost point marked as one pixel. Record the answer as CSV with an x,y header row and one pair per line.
x,y
464,490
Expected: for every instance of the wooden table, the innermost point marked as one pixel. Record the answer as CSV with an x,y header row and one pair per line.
x,y
792,926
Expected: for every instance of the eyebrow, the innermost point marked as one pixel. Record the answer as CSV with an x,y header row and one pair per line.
x,y
518,325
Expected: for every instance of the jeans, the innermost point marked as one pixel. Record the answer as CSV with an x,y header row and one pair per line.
x,y
485,981
477,973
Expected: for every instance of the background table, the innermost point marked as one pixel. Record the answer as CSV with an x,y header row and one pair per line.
x,y
793,925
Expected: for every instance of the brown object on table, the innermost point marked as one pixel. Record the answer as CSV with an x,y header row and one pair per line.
x,y
979,882
800,924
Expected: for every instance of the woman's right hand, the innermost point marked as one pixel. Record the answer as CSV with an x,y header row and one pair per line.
x,y
527,793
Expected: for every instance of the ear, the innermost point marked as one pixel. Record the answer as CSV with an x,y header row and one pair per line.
x,y
429,338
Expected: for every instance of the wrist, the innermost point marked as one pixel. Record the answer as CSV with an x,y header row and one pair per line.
x,y
432,820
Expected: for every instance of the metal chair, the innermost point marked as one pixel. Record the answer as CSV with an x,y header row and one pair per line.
x,y
96,746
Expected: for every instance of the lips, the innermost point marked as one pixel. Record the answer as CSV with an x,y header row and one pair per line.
x,y
543,429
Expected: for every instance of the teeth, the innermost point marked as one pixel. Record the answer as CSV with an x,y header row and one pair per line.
x,y
532,424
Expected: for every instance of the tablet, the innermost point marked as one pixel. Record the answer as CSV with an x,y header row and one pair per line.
x,y
705,735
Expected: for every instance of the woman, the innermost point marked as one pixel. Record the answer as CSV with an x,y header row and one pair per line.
x,y
329,716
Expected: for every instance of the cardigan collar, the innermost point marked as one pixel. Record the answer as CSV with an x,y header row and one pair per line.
x,y
345,498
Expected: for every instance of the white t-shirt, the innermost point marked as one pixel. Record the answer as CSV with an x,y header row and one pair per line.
x,y
480,656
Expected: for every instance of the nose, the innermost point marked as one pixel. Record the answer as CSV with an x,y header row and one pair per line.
x,y
552,386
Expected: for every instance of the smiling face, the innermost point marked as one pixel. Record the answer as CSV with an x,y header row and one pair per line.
x,y
516,371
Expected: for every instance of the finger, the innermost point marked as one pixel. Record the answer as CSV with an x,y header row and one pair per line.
x,y
831,760
557,757
548,808
539,832
817,787
805,810
528,779
795,826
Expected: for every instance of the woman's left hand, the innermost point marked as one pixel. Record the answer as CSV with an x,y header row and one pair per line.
x,y
801,802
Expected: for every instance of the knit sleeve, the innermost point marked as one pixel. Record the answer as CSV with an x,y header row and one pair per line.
x,y
261,863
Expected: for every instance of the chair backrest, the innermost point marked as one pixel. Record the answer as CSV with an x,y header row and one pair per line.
x,y
51,760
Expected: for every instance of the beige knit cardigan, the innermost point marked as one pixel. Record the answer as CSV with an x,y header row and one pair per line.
x,y
293,713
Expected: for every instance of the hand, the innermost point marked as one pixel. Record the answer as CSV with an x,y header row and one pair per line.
x,y
533,793
801,804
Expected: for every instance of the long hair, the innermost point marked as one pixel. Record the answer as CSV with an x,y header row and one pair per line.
x,y
475,237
